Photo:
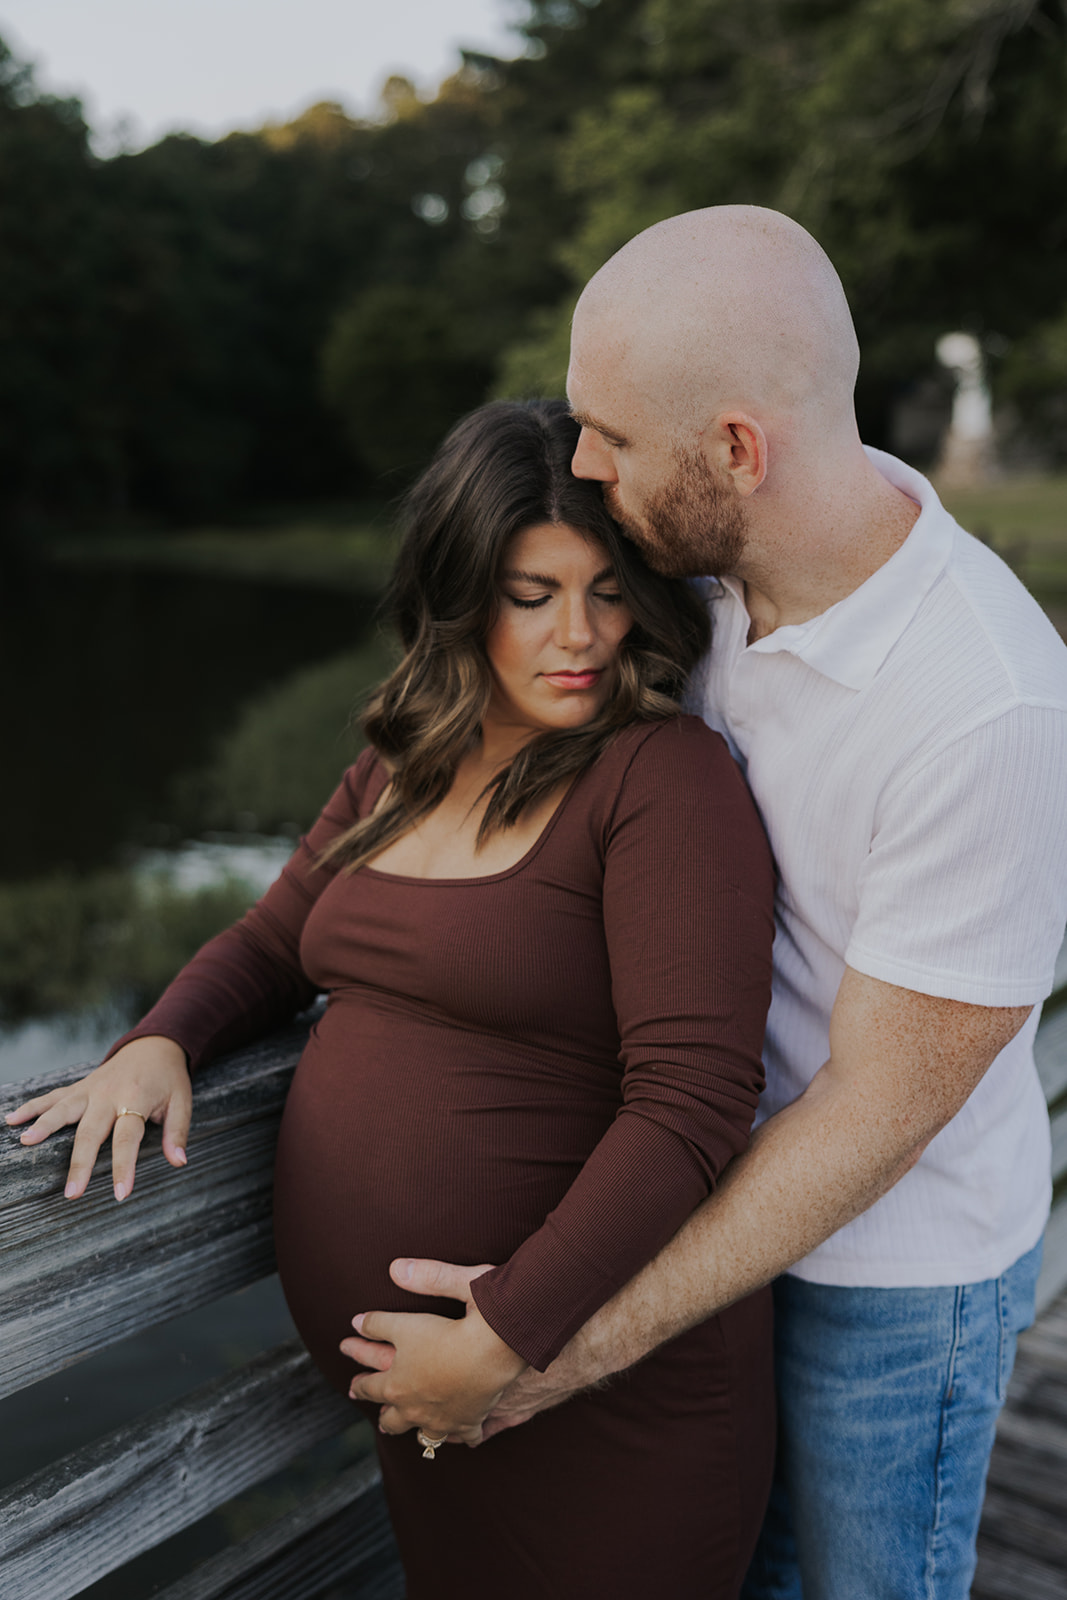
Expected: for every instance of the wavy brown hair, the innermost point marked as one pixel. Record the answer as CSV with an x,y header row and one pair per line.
x,y
503,468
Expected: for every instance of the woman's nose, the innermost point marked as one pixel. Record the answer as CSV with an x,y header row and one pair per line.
x,y
575,623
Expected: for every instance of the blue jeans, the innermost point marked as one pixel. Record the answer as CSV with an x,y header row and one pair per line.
x,y
888,1401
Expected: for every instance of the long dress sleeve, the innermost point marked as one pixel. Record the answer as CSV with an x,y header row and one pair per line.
x,y
688,916
249,980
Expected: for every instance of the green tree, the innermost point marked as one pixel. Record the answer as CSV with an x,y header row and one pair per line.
x,y
267,317
401,369
925,147
50,335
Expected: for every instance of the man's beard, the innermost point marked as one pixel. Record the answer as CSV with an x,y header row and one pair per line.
x,y
693,527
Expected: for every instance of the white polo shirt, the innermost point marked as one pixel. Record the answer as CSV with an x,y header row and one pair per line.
x,y
908,751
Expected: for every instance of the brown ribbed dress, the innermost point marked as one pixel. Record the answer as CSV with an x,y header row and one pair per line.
x,y
546,1067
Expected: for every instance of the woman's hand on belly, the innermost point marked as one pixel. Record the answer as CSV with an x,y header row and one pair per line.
x,y
436,1374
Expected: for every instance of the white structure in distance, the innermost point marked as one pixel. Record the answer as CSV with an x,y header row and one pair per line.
x,y
967,450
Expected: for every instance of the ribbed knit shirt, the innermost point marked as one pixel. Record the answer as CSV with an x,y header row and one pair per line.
x,y
545,1067
907,749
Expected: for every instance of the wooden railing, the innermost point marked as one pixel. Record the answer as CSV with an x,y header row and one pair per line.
x,y
1050,1051
77,1277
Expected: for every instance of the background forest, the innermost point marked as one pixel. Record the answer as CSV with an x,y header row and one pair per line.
x,y
220,360
202,330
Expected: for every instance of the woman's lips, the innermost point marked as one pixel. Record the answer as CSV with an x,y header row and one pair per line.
x,y
573,680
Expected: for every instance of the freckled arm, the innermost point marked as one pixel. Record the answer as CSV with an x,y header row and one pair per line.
x,y
901,1065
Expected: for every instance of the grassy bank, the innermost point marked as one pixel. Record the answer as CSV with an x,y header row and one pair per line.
x,y
117,937
114,939
109,941
282,760
1025,520
353,555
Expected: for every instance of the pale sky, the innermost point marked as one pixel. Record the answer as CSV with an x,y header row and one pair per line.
x,y
207,66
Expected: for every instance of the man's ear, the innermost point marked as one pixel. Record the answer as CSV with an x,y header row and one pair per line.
x,y
736,447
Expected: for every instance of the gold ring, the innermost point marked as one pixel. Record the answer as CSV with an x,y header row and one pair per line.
x,y
126,1112
430,1444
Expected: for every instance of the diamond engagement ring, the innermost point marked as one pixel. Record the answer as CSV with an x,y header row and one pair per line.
x,y
429,1443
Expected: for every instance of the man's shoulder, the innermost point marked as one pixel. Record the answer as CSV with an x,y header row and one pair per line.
x,y
978,645
975,624
983,637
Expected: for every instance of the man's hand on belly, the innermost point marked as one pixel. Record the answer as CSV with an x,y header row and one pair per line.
x,y
431,1372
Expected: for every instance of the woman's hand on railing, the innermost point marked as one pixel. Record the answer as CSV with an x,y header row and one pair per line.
x,y
146,1081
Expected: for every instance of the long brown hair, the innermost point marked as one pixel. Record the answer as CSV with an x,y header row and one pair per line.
x,y
503,468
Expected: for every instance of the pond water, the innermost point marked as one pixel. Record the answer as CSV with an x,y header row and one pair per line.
x,y
119,682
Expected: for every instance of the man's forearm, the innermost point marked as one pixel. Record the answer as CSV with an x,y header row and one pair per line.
x,y
806,1172
902,1064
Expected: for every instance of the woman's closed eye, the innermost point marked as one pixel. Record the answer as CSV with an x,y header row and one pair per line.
x,y
610,597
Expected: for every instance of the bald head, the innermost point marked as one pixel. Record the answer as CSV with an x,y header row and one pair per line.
x,y
730,308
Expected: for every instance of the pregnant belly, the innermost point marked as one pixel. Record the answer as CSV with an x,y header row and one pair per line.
x,y
404,1136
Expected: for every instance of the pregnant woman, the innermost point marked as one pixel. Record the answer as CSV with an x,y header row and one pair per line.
x,y
540,905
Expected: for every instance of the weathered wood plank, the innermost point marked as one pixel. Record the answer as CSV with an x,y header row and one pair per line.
x,y
237,1088
1036,1439
342,1532
79,1519
1022,1544
76,1276
1050,1053
1060,979
1053,1277
1039,1389
1012,1518
1012,1575
1059,1144
1045,1344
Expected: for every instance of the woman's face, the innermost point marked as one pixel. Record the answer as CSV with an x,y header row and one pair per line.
x,y
554,647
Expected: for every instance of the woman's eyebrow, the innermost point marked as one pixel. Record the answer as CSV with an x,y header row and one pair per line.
x,y
541,578
545,582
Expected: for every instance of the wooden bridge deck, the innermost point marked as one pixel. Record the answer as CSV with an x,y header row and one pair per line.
x,y
1022,1546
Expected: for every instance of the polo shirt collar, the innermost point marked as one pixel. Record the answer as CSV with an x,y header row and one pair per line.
x,y
850,640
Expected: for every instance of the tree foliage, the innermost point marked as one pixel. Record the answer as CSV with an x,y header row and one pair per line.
x,y
285,314
924,146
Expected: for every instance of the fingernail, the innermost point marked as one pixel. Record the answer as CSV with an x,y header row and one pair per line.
x,y
120,1191
70,1191
357,1322
404,1270
181,1158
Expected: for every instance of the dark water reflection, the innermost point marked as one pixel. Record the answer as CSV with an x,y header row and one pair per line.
x,y
115,681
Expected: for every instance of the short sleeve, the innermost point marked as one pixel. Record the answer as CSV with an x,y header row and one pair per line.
x,y
688,917
964,891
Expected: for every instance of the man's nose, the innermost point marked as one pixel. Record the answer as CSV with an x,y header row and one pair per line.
x,y
592,458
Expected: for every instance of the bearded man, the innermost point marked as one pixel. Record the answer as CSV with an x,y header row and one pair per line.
x,y
898,704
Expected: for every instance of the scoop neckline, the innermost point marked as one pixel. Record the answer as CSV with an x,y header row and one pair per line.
x,y
485,877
